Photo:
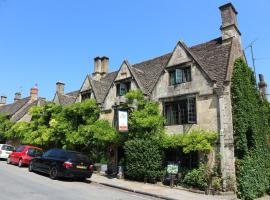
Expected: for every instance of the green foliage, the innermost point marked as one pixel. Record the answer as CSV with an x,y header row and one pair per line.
x,y
143,159
75,127
253,175
198,177
196,140
251,133
145,121
5,125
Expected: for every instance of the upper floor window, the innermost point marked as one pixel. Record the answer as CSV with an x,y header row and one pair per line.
x,y
122,88
181,112
86,95
180,75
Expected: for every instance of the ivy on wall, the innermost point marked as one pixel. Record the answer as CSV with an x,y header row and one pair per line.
x,y
251,133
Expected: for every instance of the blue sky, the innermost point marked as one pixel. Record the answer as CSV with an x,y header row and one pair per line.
x,y
44,41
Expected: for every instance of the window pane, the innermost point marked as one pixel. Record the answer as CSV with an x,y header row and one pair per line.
x,y
178,76
187,75
168,114
172,78
183,111
123,89
191,110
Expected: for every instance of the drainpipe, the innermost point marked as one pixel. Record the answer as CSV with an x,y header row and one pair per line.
x,y
221,135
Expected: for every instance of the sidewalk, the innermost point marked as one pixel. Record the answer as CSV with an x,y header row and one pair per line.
x,y
154,190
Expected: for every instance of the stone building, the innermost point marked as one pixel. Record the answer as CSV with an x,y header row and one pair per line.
x,y
62,98
192,85
19,110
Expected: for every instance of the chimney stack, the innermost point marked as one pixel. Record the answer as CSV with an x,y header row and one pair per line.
x,y
3,100
34,93
229,26
262,86
18,96
101,67
60,87
104,65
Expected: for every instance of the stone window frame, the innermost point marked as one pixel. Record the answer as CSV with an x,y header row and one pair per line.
x,y
86,95
184,74
183,110
126,83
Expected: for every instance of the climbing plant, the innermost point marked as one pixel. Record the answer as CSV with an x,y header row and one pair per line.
x,y
251,133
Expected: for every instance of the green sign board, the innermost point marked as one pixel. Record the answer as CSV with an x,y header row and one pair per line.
x,y
172,169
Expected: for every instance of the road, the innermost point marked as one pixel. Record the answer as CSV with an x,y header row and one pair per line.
x,y
18,183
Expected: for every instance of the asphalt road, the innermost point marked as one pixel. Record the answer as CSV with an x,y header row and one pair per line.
x,y
18,183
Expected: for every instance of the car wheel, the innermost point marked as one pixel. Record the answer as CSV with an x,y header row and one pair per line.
x,y
53,173
8,161
20,163
31,167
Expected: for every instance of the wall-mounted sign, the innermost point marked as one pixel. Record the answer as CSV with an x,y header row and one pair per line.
x,y
122,121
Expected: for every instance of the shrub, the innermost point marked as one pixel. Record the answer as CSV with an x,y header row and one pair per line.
x,y
143,159
197,177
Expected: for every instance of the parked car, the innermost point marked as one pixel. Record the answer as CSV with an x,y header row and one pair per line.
x,y
23,154
63,163
5,150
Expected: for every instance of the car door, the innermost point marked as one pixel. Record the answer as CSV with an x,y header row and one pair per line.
x,y
17,154
45,160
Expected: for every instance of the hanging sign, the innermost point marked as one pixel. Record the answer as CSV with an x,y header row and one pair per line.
x,y
122,121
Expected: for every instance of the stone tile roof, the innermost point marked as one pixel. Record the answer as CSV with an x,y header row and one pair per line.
x,y
15,111
212,55
67,99
24,110
101,88
73,93
149,71
11,109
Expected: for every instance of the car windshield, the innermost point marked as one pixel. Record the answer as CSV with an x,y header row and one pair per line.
x,y
8,148
34,152
20,148
76,156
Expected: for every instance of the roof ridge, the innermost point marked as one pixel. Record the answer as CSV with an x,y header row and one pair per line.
x,y
151,59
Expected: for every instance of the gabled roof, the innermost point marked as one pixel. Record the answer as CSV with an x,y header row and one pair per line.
x,y
15,111
212,57
26,109
149,71
11,109
68,98
101,88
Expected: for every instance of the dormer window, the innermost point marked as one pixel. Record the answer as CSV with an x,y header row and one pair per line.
x,y
86,95
122,88
180,75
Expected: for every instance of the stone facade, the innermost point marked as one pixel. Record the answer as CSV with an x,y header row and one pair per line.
x,y
210,66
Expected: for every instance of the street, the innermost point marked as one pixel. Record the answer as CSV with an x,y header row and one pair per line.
x,y
18,183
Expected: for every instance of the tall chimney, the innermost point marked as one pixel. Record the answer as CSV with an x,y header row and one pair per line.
x,y
60,87
97,68
3,100
104,65
34,93
18,96
229,26
262,86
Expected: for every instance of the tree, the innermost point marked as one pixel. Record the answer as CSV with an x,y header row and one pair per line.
x,y
145,120
5,125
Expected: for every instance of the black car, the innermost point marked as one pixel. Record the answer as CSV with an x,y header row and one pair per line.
x,y
62,163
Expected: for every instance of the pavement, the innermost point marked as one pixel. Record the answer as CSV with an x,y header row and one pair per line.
x,y
155,190
18,183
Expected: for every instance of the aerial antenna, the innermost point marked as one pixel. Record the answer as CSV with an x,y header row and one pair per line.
x,y
253,59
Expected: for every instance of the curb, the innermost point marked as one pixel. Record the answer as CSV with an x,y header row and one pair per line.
x,y
136,191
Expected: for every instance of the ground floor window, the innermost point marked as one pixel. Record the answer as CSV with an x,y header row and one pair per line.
x,y
181,112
